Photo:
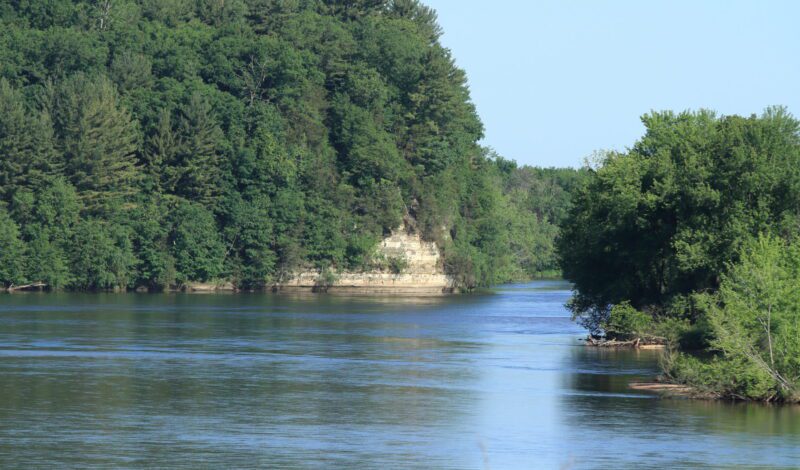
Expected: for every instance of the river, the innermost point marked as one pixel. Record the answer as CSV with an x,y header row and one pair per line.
x,y
497,380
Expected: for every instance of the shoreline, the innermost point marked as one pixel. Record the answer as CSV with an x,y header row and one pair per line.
x,y
637,343
674,390
291,290
369,284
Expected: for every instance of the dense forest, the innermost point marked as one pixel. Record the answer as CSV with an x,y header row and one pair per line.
x,y
691,237
152,143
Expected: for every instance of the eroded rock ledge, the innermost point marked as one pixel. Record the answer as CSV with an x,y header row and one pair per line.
x,y
416,268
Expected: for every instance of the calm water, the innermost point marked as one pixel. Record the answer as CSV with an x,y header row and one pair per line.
x,y
210,381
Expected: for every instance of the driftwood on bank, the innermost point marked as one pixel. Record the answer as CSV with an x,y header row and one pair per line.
x,y
27,287
636,343
668,389
673,390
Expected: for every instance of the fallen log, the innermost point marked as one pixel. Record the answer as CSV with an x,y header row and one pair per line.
x,y
636,343
672,390
27,287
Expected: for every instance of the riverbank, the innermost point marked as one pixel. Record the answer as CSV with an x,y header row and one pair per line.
x,y
636,343
376,285
402,264
672,390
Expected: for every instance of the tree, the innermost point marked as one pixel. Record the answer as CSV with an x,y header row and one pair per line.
x,y
131,71
250,240
366,153
53,210
12,251
98,139
101,256
221,12
755,323
150,228
47,262
246,140
668,215
48,218
26,144
195,244
161,148
192,173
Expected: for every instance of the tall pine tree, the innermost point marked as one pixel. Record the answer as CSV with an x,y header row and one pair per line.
x,y
98,139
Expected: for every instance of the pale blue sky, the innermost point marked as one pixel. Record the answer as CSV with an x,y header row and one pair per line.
x,y
555,80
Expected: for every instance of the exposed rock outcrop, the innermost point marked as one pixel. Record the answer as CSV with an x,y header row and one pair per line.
x,y
208,287
406,264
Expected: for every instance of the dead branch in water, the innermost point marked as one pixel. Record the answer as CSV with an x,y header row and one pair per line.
x,y
26,287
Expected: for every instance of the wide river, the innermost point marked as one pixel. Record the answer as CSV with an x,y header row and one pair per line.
x,y
496,381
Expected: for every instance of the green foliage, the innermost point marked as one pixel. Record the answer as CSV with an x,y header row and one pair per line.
x,y
150,229
663,220
626,322
361,254
101,257
697,225
248,233
755,319
192,169
727,378
11,251
47,262
26,143
131,71
195,244
327,278
248,139
397,264
98,139
538,201
48,218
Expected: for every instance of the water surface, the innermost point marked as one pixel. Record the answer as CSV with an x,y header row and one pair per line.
x,y
237,381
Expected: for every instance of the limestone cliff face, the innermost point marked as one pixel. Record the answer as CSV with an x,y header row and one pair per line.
x,y
421,257
409,265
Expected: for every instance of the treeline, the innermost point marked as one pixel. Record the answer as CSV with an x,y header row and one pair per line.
x,y
152,143
691,237
533,203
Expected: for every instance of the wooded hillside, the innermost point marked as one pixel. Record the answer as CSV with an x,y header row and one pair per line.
x,y
155,142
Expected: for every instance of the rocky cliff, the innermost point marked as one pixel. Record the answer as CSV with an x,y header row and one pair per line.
x,y
405,264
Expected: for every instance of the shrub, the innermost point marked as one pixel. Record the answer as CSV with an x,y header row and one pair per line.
x,y
327,278
625,322
754,320
725,377
397,264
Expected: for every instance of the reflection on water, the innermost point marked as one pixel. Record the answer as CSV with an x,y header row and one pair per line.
x,y
668,433
497,380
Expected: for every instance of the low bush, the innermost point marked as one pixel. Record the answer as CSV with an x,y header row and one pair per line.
x,y
754,327
625,322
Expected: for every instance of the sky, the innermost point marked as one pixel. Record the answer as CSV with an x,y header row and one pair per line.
x,y
556,80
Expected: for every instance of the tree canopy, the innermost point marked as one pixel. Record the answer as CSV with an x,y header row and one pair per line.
x,y
663,220
152,143
692,236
